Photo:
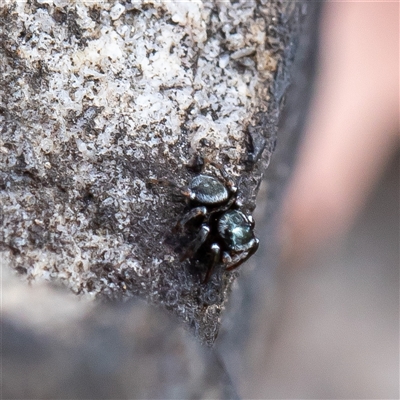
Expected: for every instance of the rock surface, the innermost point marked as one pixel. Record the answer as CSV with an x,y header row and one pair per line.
x,y
54,347
97,99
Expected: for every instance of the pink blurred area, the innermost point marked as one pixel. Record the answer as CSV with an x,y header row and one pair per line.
x,y
325,324
353,129
330,329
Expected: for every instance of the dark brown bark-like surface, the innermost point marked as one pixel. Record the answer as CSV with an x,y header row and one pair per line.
x,y
96,100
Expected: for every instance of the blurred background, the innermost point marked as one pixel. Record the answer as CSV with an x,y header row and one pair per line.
x,y
321,307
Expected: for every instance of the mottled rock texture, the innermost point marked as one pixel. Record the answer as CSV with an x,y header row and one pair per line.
x,y
97,98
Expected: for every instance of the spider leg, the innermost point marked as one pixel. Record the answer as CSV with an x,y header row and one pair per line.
x,y
226,258
241,259
193,213
216,254
195,244
161,181
184,191
228,180
230,184
251,220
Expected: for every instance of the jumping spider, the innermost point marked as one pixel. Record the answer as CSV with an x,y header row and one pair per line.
x,y
223,233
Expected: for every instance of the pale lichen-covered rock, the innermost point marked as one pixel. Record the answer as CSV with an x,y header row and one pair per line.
x,y
97,98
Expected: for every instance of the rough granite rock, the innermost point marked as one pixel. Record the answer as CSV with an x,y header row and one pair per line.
x,y
97,98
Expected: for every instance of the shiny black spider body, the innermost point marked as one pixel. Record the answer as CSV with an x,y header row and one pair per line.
x,y
221,234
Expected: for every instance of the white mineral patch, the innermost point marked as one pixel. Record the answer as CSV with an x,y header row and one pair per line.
x,y
126,83
116,11
243,53
223,60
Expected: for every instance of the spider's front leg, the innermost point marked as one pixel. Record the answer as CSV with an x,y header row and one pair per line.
x,y
229,182
192,214
196,243
216,255
242,257
184,191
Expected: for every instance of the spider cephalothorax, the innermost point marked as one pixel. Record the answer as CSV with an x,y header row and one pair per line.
x,y
222,233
